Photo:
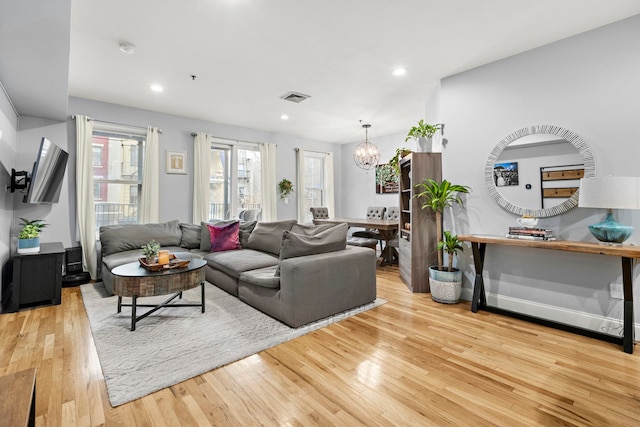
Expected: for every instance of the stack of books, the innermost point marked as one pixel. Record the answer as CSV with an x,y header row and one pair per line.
x,y
530,233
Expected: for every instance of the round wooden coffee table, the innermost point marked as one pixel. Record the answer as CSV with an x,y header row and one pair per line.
x,y
133,280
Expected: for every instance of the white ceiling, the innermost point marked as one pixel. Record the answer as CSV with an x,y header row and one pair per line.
x,y
247,53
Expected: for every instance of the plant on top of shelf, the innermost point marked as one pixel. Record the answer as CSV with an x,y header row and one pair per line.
x,y
422,130
395,160
286,187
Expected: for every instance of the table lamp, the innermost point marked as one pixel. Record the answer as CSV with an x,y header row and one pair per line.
x,y
610,192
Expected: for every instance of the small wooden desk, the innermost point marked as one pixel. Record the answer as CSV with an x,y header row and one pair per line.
x,y
387,229
626,252
18,398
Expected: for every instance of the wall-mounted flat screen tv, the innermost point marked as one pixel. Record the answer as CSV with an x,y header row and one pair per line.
x,y
48,173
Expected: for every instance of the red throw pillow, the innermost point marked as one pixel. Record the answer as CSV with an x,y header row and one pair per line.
x,y
224,237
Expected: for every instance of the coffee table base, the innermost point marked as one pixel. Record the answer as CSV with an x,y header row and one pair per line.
x,y
134,305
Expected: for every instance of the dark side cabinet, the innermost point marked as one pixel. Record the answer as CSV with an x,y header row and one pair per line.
x,y
36,278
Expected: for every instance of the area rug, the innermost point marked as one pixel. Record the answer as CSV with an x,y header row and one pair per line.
x,y
175,344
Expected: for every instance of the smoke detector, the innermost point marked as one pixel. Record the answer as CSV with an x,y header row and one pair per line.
x,y
294,97
127,47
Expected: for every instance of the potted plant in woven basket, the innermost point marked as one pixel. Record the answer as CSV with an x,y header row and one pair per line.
x,y
437,196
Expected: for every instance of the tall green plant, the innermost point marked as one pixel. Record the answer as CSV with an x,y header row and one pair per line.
x,y
437,196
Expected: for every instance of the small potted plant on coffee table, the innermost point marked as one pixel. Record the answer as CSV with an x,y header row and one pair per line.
x,y
150,251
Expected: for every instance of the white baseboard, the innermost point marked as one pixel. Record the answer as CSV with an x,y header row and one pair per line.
x,y
602,324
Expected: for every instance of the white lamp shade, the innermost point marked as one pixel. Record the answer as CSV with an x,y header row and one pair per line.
x,y
610,192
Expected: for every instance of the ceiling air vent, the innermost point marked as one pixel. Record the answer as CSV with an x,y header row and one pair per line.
x,y
294,97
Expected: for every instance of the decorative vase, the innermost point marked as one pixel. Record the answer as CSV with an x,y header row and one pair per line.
x,y
29,246
446,286
425,145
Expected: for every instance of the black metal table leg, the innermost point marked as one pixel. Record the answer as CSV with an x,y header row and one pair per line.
x,y
479,298
119,304
133,312
628,320
202,295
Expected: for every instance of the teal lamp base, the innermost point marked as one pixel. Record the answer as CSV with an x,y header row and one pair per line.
x,y
610,231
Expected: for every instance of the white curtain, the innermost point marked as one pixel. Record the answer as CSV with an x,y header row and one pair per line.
x,y
85,206
201,171
150,198
300,185
329,197
269,192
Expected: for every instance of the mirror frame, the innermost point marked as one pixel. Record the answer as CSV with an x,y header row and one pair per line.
x,y
574,139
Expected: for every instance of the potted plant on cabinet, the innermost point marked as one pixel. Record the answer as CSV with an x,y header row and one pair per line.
x,y
29,237
423,134
437,196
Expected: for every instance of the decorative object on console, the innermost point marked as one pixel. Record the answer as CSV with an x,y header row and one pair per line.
x,y
423,134
555,141
530,233
150,251
366,155
29,237
286,187
437,196
610,192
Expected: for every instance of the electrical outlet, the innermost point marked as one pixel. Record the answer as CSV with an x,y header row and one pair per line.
x,y
616,290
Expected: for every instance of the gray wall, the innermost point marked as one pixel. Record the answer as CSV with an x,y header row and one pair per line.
x,y
8,141
588,84
177,195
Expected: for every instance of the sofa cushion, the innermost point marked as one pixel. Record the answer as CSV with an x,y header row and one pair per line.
x,y
310,229
267,236
190,238
246,227
328,240
263,277
118,238
224,237
235,262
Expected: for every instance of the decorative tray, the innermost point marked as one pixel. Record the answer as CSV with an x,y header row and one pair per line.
x,y
174,262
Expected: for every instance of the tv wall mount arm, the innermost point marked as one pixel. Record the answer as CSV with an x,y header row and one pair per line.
x,y
19,180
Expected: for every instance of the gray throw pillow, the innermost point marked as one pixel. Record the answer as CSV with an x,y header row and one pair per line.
x,y
246,227
267,236
118,238
205,237
297,245
190,236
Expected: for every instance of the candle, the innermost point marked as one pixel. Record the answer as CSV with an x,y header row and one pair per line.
x,y
163,257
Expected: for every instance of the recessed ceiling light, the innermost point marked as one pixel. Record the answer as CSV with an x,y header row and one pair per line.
x,y
284,117
157,88
127,47
399,72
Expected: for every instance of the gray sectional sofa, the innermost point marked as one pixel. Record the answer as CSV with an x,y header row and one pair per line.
x,y
295,273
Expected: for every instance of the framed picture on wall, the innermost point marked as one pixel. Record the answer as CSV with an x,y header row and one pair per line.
x,y
177,162
505,174
386,179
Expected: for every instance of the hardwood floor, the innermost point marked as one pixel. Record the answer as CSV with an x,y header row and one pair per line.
x,y
409,362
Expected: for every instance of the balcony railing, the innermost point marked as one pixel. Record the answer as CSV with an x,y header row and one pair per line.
x,y
219,211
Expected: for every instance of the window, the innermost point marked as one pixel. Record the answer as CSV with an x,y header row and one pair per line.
x,y
117,177
314,191
235,178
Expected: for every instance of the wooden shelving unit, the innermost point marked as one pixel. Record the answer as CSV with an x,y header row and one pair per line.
x,y
417,243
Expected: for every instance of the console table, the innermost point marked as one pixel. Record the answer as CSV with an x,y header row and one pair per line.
x,y
627,253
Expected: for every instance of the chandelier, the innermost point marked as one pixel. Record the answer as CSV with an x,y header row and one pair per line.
x,y
366,154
